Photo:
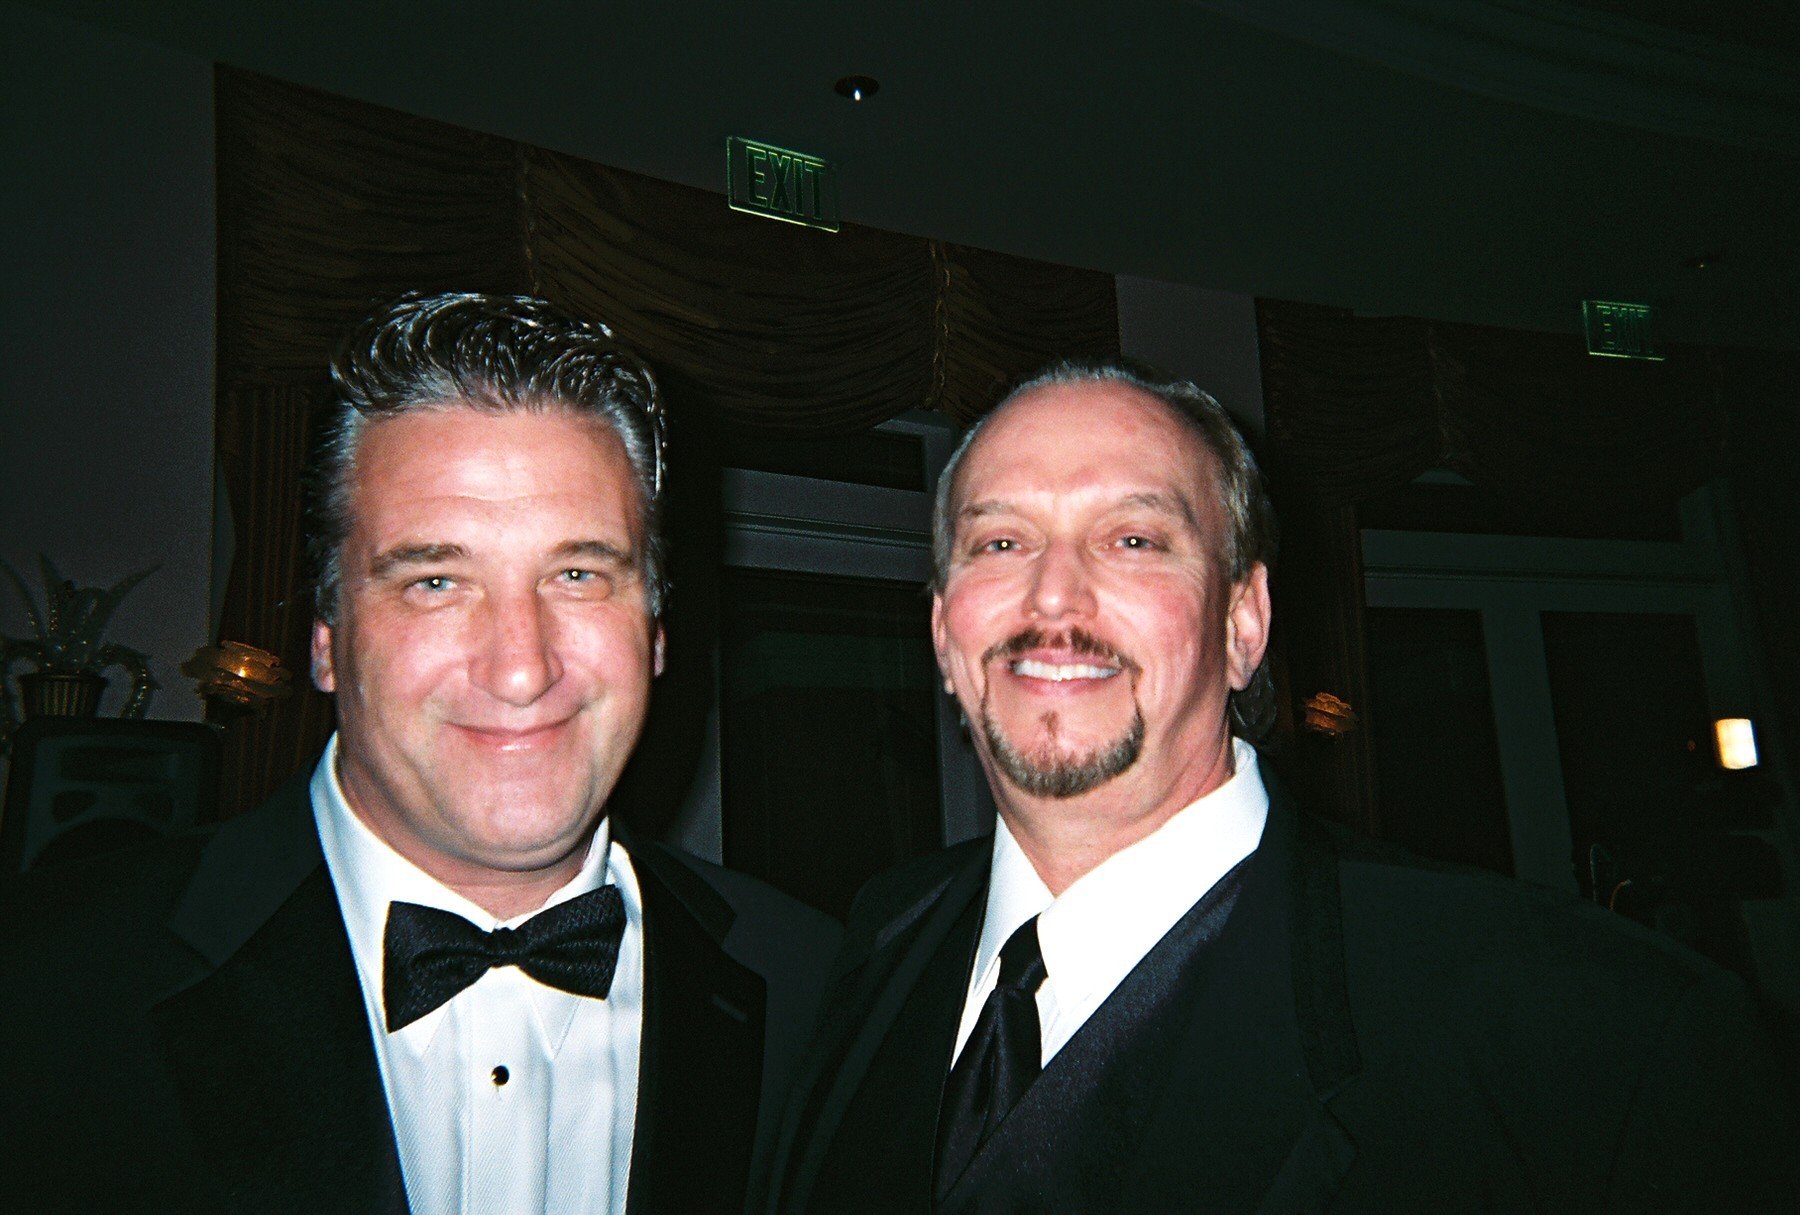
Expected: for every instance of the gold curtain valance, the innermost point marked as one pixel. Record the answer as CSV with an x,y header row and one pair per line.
x,y
328,206
1360,406
777,327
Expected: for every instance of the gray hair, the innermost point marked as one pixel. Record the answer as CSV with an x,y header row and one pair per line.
x,y
1251,535
495,353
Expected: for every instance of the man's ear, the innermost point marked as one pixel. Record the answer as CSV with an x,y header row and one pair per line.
x,y
1247,626
656,651
324,675
940,641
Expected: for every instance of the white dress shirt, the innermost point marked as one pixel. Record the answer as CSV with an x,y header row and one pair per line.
x,y
1109,918
512,1097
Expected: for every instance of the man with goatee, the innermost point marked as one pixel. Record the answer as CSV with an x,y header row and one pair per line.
x,y
1160,986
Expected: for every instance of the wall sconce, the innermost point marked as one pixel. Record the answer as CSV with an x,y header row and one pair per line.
x,y
1736,737
238,674
1327,715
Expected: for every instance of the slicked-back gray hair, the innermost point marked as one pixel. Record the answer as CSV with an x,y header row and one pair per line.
x,y
1251,534
495,353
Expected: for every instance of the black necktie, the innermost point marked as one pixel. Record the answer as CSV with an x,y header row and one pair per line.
x,y
429,955
999,1061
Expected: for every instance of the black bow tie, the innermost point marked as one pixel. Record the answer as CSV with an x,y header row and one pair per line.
x,y
430,955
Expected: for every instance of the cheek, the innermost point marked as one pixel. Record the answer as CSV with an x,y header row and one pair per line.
x,y
969,629
1169,631
615,653
400,662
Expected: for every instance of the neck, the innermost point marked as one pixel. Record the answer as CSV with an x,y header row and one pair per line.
x,y
502,893
1067,838
504,899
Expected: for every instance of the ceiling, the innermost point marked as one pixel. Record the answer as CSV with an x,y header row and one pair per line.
x,y
1493,162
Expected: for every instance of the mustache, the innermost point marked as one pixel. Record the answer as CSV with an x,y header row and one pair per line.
x,y
1076,640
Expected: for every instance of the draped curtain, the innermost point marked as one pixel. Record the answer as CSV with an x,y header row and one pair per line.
x,y
1358,407
263,433
328,207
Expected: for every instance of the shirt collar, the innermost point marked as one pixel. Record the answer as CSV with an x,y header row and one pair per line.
x,y
1112,915
368,875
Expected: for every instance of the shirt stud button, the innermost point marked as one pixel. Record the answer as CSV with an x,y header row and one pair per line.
x,y
501,1075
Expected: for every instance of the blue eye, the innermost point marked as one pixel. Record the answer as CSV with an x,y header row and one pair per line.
x,y
437,582
587,584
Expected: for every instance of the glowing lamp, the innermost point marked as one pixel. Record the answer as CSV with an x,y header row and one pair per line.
x,y
1328,715
238,674
1737,742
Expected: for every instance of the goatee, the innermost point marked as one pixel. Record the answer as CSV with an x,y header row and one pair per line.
x,y
1045,773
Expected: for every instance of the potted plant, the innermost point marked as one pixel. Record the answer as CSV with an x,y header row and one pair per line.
x,y
69,649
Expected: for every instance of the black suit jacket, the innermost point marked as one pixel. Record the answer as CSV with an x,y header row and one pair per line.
x,y
183,1031
1371,1034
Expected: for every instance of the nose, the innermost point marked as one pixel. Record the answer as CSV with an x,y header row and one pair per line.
x,y
517,661
1060,585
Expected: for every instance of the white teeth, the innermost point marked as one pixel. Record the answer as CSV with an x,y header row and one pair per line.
x,y
1061,673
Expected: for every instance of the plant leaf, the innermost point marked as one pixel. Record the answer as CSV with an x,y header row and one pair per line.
x,y
73,620
98,609
56,597
31,611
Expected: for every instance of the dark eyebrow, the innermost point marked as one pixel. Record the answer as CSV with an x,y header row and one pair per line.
x,y
1166,504
408,556
598,550
992,506
413,555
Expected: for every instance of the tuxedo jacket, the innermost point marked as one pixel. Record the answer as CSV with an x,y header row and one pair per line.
x,y
184,1031
1359,1031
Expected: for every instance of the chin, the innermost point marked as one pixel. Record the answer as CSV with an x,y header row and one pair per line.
x,y
525,853
531,825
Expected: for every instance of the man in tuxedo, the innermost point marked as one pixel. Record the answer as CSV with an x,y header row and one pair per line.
x,y
1159,986
433,974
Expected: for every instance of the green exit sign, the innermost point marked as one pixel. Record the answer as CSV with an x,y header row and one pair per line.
x,y
1618,331
762,179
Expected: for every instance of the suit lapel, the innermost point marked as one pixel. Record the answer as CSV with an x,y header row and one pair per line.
x,y
1245,1123
701,1061
1324,1151
271,1051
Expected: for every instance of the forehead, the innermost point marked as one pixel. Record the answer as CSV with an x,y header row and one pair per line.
x,y
457,452
1086,442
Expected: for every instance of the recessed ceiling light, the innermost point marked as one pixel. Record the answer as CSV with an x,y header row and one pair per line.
x,y
857,88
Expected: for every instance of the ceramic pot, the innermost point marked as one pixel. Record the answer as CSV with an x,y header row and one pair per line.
x,y
54,694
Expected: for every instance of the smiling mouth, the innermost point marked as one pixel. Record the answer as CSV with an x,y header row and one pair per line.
x,y
509,740
1035,654
1060,672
